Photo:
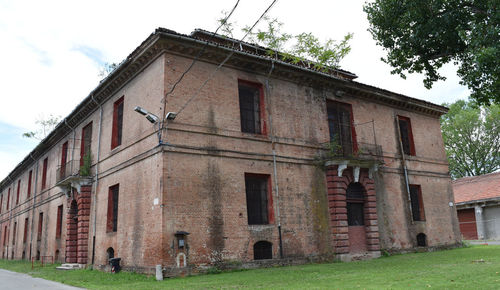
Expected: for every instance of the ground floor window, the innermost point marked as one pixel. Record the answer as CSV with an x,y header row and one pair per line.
x,y
262,250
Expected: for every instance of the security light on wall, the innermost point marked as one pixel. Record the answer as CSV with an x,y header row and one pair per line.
x,y
150,116
171,115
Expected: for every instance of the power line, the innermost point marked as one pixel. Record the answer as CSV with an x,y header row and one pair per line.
x,y
226,59
199,54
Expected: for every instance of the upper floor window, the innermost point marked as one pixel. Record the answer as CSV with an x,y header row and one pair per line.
x,y
44,173
30,176
406,135
116,136
340,123
1,203
18,191
417,203
258,198
86,142
112,219
8,199
251,100
64,159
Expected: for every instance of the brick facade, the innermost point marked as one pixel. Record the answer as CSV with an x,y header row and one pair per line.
x,y
193,180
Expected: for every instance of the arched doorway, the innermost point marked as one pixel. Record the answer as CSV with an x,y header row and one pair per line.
x,y
355,199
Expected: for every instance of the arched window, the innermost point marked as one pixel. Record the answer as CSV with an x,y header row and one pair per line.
x,y
355,198
421,240
262,250
110,253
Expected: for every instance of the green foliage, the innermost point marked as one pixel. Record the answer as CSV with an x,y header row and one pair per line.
x,y
226,26
452,269
301,48
107,68
471,135
45,126
87,163
422,36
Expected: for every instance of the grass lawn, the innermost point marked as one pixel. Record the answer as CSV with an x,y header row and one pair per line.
x,y
475,267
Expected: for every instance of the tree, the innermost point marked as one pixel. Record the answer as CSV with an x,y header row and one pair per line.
x,y
45,126
471,136
107,68
301,48
422,36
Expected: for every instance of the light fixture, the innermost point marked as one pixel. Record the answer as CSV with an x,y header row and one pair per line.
x,y
150,116
141,111
171,115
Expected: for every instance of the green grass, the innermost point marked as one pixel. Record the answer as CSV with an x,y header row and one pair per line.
x,y
475,267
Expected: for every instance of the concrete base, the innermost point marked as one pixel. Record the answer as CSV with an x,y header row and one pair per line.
x,y
71,266
358,256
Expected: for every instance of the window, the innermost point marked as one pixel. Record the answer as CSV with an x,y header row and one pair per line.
x,y
251,100
25,234
116,136
64,157
112,222
1,203
40,226
406,135
44,173
340,124
262,250
417,204
421,240
4,236
8,199
18,191
59,221
14,234
86,142
30,176
355,202
257,187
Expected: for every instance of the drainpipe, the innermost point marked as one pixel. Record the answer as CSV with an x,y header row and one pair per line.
x,y
96,177
403,163
33,208
275,171
74,145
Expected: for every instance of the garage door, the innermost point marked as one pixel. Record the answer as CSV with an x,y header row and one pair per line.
x,y
467,220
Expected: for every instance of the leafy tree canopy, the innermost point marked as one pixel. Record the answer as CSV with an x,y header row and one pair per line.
x,y
471,136
301,48
421,36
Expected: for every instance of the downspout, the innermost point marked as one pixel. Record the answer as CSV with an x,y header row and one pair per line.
x,y
405,170
74,145
33,210
275,171
94,200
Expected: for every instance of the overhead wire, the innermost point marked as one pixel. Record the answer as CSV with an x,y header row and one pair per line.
x,y
195,59
225,60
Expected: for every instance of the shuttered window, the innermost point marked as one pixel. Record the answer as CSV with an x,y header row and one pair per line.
x,y
112,218
116,135
341,127
417,204
86,142
250,107
406,135
257,193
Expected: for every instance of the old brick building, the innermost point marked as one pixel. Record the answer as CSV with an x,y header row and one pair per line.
x,y
268,160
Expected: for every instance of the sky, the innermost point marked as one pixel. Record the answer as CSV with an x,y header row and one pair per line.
x,y
52,51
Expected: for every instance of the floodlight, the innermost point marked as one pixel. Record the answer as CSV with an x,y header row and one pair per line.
x,y
141,111
171,115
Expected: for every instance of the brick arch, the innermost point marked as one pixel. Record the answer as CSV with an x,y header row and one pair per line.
x,y
337,204
77,226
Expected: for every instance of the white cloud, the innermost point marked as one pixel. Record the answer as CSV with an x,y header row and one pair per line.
x,y
51,50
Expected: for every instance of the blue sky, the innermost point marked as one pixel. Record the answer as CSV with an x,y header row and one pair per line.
x,y
52,51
